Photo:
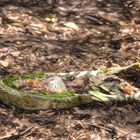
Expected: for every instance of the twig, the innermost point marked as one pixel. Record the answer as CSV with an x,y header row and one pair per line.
x,y
124,135
16,136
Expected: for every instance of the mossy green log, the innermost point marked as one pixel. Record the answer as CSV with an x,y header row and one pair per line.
x,y
11,95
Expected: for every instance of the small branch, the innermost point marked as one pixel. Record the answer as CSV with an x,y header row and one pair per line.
x,y
17,136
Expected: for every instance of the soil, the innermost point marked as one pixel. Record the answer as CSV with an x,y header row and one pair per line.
x,y
64,36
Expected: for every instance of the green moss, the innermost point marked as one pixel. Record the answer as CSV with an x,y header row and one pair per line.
x,y
9,81
56,95
33,75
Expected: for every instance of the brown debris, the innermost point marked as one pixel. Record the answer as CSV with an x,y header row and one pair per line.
x,y
64,36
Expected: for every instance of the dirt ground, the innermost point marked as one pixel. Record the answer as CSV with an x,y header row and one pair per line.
x,y
64,36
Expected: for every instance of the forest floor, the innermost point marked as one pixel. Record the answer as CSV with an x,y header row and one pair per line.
x,y
69,36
